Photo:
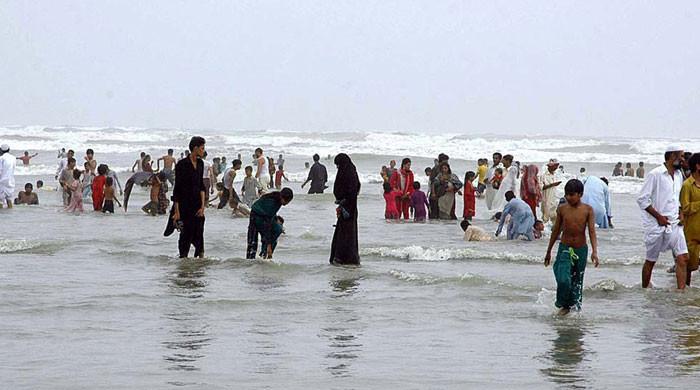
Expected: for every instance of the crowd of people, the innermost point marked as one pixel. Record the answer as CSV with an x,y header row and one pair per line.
x,y
521,198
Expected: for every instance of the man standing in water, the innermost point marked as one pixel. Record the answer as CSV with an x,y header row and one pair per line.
x,y
550,180
690,206
7,176
188,200
26,157
168,164
318,176
490,192
63,163
659,201
262,175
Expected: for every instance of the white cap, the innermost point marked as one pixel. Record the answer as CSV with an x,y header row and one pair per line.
x,y
552,162
4,148
673,148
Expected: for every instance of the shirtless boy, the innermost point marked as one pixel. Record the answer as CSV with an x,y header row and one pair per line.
x,y
110,197
168,164
26,157
572,219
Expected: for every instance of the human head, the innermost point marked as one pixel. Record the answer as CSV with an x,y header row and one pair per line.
x,y
219,186
392,164
170,152
416,185
102,169
619,164
497,157
641,163
223,159
469,176
143,154
510,196
286,195
342,161
684,160
628,165
71,162
428,171
4,148
464,224
539,225
582,170
196,146
248,170
236,164
674,156
90,152
694,163
109,181
316,157
499,171
28,188
39,184
258,152
507,160
387,187
26,153
553,164
280,156
70,153
573,191
445,168
76,174
406,163
442,157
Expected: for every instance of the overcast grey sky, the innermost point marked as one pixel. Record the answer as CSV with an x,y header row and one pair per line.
x,y
593,67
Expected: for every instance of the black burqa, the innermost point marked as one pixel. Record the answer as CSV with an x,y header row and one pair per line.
x,y
344,249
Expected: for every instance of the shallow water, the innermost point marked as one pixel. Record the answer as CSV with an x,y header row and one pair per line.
x,y
95,301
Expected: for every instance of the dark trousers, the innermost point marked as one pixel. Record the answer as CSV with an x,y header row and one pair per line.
x,y
252,248
223,200
192,233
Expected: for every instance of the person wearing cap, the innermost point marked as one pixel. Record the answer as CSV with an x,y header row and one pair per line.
x,y
659,200
7,175
550,180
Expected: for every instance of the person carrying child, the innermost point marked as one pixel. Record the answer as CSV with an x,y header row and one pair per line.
x,y
571,221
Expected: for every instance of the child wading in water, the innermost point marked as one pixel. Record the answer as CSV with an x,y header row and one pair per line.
x,y
572,219
108,206
419,203
390,212
76,194
469,196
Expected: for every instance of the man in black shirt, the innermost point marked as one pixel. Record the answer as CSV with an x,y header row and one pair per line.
x,y
317,176
188,199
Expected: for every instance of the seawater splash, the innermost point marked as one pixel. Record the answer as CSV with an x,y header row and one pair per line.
x,y
415,252
14,246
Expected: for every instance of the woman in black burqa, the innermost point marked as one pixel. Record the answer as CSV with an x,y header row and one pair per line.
x,y
346,188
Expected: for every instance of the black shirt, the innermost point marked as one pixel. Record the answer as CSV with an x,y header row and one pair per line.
x,y
189,185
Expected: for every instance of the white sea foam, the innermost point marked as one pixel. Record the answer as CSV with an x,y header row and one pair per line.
x,y
11,246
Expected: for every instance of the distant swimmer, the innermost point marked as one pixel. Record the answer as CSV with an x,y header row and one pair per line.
x,y
572,219
28,196
26,157
629,171
318,176
168,165
617,171
640,170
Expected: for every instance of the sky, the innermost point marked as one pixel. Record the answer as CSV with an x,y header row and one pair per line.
x,y
600,68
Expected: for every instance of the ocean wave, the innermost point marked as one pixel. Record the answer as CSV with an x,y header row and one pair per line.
x,y
459,146
27,246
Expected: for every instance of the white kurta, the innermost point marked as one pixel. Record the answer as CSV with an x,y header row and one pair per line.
x,y
510,183
7,176
550,196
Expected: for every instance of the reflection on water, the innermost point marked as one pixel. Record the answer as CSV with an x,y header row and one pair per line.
x,y
189,334
267,352
343,331
671,335
567,355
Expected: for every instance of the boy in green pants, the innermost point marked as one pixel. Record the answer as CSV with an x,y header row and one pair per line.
x,y
572,219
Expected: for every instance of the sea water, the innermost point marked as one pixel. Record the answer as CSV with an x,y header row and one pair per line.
x,y
102,301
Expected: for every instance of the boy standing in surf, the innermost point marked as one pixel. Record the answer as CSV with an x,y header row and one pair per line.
x,y
572,219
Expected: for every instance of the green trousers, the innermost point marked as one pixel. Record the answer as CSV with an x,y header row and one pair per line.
x,y
568,271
